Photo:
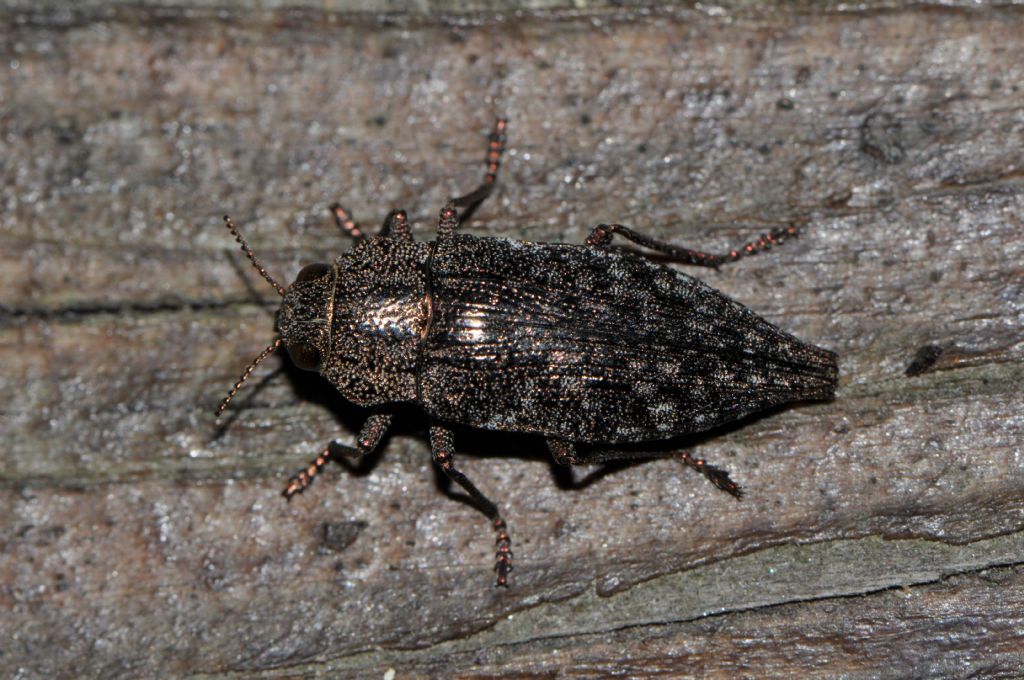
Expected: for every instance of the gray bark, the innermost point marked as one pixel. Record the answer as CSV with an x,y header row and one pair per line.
x,y
141,539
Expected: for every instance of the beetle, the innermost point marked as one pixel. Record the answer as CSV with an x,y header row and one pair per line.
x,y
581,344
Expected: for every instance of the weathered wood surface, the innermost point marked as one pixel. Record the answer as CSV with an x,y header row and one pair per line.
x,y
138,539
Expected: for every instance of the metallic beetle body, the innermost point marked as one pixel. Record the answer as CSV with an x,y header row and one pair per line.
x,y
575,343
580,344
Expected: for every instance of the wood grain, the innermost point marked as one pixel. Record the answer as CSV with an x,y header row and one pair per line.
x,y
141,539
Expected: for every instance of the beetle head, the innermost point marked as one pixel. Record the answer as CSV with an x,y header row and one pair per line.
x,y
375,319
304,319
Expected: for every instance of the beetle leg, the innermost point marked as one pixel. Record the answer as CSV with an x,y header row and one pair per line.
x,y
602,236
717,475
343,218
563,452
369,437
396,225
448,220
495,147
566,454
443,452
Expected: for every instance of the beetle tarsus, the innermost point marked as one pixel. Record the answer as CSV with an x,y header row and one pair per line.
x,y
343,218
303,478
775,237
716,475
503,557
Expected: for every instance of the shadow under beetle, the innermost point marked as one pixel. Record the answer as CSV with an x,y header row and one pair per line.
x,y
577,343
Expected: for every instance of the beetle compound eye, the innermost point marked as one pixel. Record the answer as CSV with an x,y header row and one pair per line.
x,y
304,355
312,271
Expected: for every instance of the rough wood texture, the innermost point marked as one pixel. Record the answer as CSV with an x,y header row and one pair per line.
x,y
139,539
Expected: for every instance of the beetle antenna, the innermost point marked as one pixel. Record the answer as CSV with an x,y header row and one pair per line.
x,y
245,376
252,256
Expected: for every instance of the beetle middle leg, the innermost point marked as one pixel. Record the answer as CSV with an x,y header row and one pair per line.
x,y
495,147
565,453
602,236
443,452
450,219
369,437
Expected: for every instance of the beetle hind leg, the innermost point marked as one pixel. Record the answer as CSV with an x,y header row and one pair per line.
x,y
717,475
443,453
602,236
565,453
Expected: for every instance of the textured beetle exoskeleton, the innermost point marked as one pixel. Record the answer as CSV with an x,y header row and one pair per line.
x,y
576,343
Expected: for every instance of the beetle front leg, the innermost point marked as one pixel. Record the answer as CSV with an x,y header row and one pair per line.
x,y
602,236
369,437
343,218
565,453
717,475
443,452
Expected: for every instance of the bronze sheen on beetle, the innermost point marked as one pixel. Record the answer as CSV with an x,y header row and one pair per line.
x,y
589,347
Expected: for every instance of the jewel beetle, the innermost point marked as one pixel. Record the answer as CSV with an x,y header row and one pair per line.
x,y
588,346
